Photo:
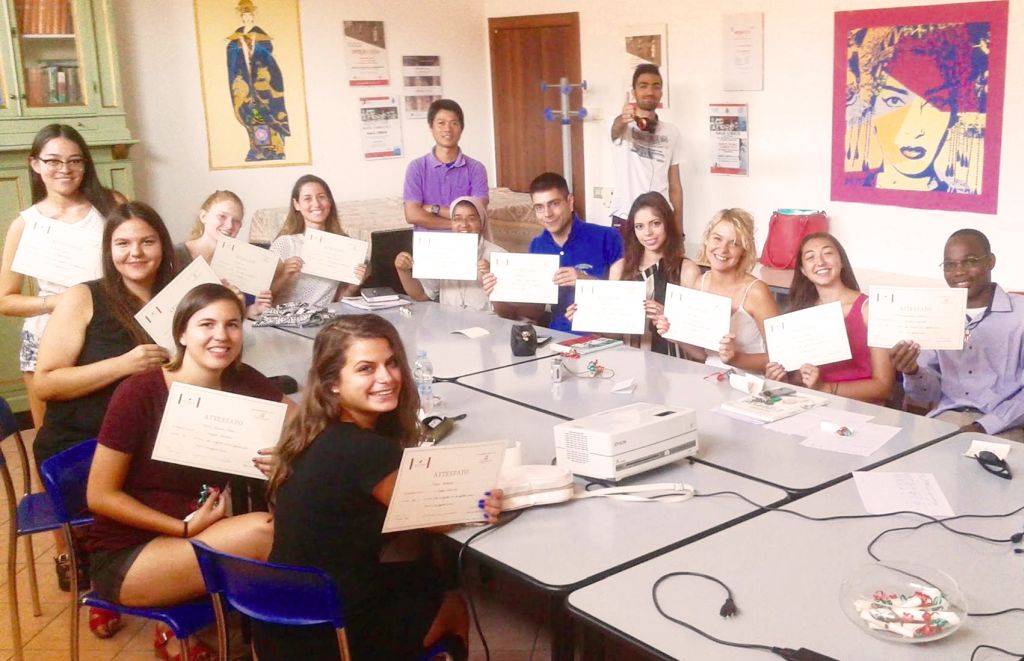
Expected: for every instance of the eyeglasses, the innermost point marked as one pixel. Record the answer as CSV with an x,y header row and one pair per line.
x,y
993,464
968,263
56,165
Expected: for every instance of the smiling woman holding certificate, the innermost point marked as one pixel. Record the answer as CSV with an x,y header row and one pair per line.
x,y
825,276
312,206
468,216
358,412
146,509
66,190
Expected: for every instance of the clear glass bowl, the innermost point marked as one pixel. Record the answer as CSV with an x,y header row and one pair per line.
x,y
903,602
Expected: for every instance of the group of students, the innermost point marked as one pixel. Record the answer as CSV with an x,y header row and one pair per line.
x,y
93,372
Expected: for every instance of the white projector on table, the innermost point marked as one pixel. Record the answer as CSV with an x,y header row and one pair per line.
x,y
625,441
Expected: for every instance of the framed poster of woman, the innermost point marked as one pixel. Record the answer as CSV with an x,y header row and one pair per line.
x,y
254,96
917,106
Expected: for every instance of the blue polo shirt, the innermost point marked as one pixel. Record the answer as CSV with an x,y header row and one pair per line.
x,y
591,249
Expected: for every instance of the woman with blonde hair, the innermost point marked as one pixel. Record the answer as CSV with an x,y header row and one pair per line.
x,y
729,248
357,414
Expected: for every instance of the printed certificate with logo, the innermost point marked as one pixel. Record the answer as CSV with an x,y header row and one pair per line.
x,y
442,485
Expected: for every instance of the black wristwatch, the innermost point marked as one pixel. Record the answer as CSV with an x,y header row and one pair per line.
x,y
435,209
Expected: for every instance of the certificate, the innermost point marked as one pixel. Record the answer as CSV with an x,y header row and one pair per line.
x,y
444,255
934,317
58,252
248,267
441,485
697,317
524,278
610,306
815,335
156,316
332,256
216,430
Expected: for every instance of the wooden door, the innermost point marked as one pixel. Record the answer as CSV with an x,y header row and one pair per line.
x,y
526,51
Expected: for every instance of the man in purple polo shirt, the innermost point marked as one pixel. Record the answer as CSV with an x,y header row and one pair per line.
x,y
980,387
434,180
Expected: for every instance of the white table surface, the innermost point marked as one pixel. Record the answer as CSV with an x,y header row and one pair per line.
x,y
785,572
726,442
430,329
560,546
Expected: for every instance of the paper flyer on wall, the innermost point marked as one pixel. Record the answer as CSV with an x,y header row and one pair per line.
x,y
381,127
421,77
365,53
743,52
730,142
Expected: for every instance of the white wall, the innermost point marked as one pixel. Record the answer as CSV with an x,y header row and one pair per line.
x,y
160,69
790,125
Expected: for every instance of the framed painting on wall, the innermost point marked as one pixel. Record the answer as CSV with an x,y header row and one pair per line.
x,y
917,106
254,94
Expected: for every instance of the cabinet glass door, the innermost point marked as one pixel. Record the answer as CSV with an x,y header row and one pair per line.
x,y
49,42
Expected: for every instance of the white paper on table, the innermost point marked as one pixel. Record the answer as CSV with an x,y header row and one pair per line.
x,y
867,437
610,306
934,317
746,382
473,332
332,256
809,422
217,430
883,492
156,316
815,335
445,255
1000,450
248,267
442,484
524,278
624,387
696,317
58,252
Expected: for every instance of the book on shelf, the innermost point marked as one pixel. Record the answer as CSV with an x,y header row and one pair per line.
x,y
42,17
585,344
53,83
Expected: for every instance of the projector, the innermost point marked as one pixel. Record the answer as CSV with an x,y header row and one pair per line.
x,y
626,441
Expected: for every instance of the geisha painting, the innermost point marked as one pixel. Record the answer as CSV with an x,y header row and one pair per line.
x,y
917,106
252,82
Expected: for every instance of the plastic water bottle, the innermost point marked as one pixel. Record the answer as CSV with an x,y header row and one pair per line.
x,y
423,375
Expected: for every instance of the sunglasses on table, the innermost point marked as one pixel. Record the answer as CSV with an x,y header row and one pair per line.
x,y
993,464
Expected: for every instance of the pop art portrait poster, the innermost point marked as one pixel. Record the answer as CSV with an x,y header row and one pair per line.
x,y
254,95
917,106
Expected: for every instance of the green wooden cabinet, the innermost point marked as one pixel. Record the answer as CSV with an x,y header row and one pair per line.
x,y
58,63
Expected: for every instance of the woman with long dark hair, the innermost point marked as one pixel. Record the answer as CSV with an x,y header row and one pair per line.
x,y
357,414
824,276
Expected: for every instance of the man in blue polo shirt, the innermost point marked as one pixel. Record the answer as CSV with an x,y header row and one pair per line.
x,y
586,251
432,181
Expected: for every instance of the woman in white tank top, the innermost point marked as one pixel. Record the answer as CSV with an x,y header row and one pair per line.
x,y
730,250
65,189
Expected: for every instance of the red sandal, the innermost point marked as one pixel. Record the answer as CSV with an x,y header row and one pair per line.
x,y
104,623
163,638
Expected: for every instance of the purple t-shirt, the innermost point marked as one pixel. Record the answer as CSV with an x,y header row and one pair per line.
x,y
429,181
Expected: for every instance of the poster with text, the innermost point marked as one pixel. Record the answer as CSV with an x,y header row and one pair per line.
x,y
365,53
381,127
730,142
743,52
917,106
645,44
421,78
254,95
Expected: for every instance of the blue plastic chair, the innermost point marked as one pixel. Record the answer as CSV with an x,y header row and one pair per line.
x,y
32,514
65,476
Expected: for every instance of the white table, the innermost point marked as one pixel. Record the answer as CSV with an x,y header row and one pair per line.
x,y
725,442
785,573
430,329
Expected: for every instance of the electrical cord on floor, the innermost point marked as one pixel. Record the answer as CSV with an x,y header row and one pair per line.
x,y
729,608
998,649
459,571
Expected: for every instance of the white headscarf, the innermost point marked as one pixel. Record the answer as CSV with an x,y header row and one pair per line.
x,y
485,232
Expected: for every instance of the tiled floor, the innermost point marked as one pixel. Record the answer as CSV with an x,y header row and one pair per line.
x,y
513,619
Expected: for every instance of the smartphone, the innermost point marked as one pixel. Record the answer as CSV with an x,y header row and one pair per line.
x,y
778,392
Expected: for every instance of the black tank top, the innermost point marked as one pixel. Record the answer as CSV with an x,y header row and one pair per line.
x,y
73,421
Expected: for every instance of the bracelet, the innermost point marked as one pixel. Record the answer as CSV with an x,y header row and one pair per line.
x,y
185,534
